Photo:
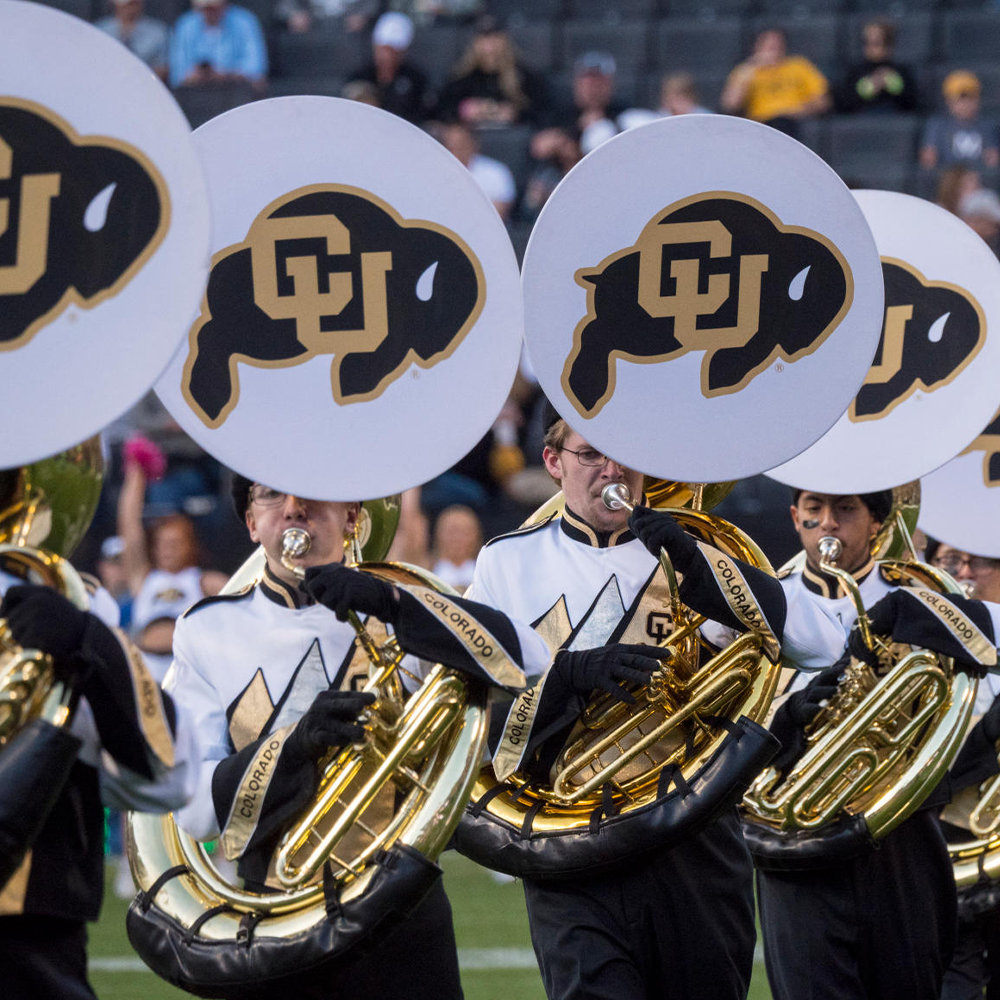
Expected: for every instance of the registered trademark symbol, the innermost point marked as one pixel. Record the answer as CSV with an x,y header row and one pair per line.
x,y
779,367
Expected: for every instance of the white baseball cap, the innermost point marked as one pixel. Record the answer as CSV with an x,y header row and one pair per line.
x,y
393,29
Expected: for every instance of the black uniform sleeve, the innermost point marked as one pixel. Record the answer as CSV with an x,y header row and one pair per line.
x,y
718,586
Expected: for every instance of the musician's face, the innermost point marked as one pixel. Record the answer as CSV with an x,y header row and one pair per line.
x,y
847,518
328,523
582,482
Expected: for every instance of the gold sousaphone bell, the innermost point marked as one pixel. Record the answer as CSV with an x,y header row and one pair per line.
x,y
634,777
347,860
882,742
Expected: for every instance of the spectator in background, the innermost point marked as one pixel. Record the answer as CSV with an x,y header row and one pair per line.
x,y
400,87
361,91
960,136
490,86
494,177
878,82
163,570
114,579
217,42
953,185
556,153
143,36
679,96
299,16
774,87
980,210
458,537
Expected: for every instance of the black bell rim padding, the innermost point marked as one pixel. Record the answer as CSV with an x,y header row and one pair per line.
x,y
612,841
34,769
807,850
256,963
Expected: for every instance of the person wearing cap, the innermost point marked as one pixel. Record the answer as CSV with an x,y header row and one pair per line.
x,y
275,670
145,37
960,136
218,42
400,87
880,923
674,924
774,87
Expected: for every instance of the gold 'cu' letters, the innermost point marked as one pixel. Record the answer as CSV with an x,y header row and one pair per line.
x,y
687,304
308,304
37,192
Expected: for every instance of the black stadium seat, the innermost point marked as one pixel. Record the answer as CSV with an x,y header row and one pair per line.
x,y
510,146
200,104
626,41
320,53
618,10
692,44
78,8
707,9
970,35
874,150
324,86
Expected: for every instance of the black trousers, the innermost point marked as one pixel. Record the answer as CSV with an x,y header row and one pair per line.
x,y
677,925
976,962
879,927
418,961
43,958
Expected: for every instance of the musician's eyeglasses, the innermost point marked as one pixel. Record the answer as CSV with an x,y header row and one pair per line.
x,y
976,564
587,456
266,497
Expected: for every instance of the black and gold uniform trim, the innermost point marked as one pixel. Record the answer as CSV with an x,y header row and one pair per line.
x,y
283,593
215,598
526,529
827,585
579,530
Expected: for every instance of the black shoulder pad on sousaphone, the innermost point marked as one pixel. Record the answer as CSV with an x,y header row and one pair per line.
x,y
930,388
671,294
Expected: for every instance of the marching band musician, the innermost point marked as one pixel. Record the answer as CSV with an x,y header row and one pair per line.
x,y
605,934
273,680
133,751
880,924
975,964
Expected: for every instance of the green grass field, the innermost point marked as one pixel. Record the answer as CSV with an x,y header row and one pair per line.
x,y
490,924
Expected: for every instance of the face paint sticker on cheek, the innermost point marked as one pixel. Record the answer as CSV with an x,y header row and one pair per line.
x,y
810,524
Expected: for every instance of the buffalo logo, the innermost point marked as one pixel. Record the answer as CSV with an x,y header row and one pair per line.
x,y
79,216
989,442
330,269
932,330
718,273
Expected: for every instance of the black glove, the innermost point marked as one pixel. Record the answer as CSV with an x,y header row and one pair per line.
x,y
40,618
990,722
586,670
343,589
330,721
799,710
907,618
656,529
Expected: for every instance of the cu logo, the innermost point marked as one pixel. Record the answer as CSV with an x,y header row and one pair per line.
x,y
658,625
331,270
716,273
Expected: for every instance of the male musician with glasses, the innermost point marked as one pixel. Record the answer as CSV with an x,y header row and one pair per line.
x,y
880,923
127,747
273,680
672,923
975,964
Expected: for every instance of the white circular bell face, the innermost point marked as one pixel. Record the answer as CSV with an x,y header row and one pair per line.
x,y
933,384
362,324
702,297
960,502
103,230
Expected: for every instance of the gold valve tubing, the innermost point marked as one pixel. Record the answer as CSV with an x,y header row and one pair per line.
x,y
851,586
903,532
425,720
989,803
810,782
711,690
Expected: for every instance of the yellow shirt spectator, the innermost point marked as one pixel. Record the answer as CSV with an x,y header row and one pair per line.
x,y
783,89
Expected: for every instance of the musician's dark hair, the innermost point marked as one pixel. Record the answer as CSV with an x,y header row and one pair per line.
x,y
878,503
240,491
